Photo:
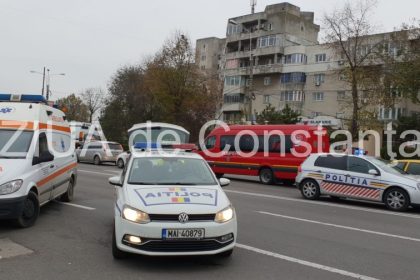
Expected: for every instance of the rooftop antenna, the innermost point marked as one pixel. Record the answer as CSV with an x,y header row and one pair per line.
x,y
253,4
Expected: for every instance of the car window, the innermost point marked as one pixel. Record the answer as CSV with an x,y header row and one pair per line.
x,y
333,162
211,142
359,165
227,140
170,171
43,144
414,168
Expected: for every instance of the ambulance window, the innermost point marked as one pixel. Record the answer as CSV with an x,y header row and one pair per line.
x,y
359,165
414,168
332,162
275,144
246,143
211,142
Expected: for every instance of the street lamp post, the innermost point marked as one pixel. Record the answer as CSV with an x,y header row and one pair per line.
x,y
251,73
43,79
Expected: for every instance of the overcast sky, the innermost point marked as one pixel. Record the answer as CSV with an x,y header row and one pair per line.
x,y
89,40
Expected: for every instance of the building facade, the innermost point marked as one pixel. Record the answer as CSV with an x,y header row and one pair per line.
x,y
289,67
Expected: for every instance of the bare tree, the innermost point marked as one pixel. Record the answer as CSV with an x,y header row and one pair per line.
x,y
94,99
347,33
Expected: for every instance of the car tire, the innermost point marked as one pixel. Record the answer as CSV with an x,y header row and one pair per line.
x,y
310,189
225,254
97,160
117,253
68,196
267,176
219,175
120,163
397,199
30,211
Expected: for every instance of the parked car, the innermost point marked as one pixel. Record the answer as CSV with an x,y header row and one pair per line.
x,y
99,152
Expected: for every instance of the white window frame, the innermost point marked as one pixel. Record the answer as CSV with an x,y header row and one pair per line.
x,y
321,57
318,96
267,81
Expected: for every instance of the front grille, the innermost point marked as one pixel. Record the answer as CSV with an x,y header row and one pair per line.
x,y
180,246
172,218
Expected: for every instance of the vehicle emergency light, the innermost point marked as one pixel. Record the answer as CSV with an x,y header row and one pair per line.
x,y
30,98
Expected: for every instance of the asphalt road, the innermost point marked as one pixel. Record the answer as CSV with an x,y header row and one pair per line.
x,y
281,236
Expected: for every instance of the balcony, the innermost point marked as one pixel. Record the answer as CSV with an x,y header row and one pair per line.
x,y
255,52
267,69
233,107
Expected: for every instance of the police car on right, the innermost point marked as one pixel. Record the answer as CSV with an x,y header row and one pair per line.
x,y
357,177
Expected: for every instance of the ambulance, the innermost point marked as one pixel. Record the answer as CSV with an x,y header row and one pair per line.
x,y
37,159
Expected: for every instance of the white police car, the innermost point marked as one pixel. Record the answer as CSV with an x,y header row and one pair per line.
x,y
171,203
356,177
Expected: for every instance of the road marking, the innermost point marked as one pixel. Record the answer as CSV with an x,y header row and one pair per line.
x,y
305,263
94,172
10,249
343,227
113,171
78,206
326,204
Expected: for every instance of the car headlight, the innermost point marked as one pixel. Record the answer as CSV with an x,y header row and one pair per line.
x,y
10,187
134,215
225,215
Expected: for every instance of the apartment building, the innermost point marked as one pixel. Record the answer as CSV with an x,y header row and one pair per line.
x,y
289,67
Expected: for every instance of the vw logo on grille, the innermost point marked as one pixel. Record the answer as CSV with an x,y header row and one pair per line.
x,y
183,218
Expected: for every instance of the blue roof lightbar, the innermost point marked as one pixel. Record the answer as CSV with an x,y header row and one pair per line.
x,y
29,98
145,145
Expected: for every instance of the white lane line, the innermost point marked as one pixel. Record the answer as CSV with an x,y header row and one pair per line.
x,y
306,263
342,227
78,206
113,171
94,172
326,204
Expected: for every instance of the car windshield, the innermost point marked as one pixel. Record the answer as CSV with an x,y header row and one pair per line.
x,y
19,146
387,166
170,171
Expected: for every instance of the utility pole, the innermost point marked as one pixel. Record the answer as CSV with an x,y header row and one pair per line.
x,y
48,84
251,80
43,82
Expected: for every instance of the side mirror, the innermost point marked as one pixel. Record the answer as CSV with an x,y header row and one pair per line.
x,y
44,157
224,182
373,172
115,181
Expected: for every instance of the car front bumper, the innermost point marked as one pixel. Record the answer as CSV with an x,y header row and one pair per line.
x,y
11,208
153,245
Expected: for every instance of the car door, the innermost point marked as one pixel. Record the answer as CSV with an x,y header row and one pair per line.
x,y
330,171
363,184
45,170
413,168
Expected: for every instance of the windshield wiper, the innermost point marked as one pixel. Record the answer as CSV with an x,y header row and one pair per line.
x,y
179,184
141,183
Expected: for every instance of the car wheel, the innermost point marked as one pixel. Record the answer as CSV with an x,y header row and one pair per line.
x,y
68,196
117,253
96,160
30,211
397,199
226,254
120,163
219,175
267,176
310,189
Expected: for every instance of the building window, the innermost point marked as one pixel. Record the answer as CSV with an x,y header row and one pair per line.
x,y
320,57
203,67
204,46
292,95
318,96
234,29
316,114
203,57
266,99
319,78
342,77
270,26
294,77
341,95
267,81
233,98
391,113
232,63
267,41
296,58
233,81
